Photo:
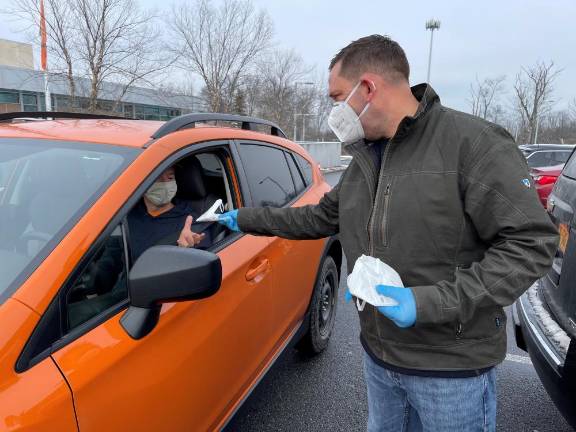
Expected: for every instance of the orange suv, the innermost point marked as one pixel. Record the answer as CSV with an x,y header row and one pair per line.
x,y
95,338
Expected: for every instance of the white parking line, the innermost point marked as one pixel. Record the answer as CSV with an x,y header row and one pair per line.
x,y
518,359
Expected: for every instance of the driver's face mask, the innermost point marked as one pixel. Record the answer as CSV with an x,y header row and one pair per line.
x,y
161,193
344,121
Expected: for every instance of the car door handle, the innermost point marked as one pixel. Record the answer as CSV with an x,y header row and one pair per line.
x,y
261,267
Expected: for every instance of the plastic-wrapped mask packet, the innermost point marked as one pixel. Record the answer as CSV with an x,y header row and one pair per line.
x,y
369,272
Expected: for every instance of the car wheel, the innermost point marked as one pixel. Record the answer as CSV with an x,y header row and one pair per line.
x,y
322,310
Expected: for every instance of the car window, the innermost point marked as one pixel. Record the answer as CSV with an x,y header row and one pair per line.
x,y
296,175
547,158
561,157
102,284
306,169
570,168
539,159
44,186
268,175
209,162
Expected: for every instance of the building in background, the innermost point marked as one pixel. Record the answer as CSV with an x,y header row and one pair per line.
x,y
16,54
22,89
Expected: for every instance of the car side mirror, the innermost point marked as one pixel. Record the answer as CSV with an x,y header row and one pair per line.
x,y
164,274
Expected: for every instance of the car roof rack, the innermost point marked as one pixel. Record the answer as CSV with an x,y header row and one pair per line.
x,y
39,115
189,121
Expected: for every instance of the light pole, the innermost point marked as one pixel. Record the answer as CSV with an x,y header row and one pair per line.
x,y
431,25
304,124
296,94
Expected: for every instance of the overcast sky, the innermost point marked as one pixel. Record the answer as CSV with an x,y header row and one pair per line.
x,y
484,38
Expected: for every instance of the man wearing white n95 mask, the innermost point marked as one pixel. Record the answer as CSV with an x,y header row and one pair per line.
x,y
443,198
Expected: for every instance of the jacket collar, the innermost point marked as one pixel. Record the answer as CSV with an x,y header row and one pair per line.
x,y
427,98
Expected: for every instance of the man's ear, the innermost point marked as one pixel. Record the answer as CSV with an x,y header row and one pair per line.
x,y
369,85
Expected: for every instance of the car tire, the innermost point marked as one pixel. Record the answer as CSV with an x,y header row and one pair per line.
x,y
322,310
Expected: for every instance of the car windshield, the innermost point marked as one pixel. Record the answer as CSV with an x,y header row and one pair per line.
x,y
45,186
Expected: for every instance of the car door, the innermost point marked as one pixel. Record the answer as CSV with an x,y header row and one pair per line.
x,y
275,180
37,398
193,368
558,289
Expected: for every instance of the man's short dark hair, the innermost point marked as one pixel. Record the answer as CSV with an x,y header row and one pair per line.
x,y
375,53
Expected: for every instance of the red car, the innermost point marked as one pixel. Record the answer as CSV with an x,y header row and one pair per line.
x,y
544,179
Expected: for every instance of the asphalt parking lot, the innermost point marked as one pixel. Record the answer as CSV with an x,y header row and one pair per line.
x,y
328,392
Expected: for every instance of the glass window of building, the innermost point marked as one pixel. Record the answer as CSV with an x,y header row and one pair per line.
x,y
9,97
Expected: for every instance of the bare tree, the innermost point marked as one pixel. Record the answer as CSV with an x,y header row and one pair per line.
x,y
99,41
572,109
179,94
557,127
220,44
322,107
59,18
283,89
533,94
484,97
280,96
252,85
119,43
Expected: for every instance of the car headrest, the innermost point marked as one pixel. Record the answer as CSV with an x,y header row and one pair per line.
x,y
190,179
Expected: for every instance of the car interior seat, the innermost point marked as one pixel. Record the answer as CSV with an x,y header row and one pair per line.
x,y
192,188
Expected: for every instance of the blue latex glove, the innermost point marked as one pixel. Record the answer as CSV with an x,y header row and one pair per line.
x,y
230,219
347,296
403,314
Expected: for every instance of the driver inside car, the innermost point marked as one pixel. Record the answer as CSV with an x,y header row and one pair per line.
x,y
160,215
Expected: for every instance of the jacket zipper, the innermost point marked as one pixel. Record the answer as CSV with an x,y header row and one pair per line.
x,y
371,225
385,215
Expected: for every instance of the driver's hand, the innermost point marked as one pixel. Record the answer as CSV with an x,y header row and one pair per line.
x,y
188,238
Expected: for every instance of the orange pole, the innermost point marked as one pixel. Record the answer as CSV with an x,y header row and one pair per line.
x,y
43,48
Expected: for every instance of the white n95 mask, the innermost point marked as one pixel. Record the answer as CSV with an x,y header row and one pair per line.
x,y
344,121
161,193
369,272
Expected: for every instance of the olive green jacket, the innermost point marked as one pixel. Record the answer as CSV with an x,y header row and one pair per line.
x,y
454,211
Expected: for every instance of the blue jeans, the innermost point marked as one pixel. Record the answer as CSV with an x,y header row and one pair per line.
x,y
401,403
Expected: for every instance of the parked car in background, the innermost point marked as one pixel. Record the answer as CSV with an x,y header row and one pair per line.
x,y
345,160
544,180
545,316
177,338
543,155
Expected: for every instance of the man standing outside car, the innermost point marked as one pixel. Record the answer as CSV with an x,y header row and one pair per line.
x,y
445,199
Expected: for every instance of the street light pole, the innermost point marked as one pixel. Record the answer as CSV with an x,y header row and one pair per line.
x,y
296,94
431,25
304,125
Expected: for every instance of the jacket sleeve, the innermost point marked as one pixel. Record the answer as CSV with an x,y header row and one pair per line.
x,y
502,205
295,223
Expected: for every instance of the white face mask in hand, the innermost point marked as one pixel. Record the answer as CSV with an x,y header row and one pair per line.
x,y
367,273
161,193
344,121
